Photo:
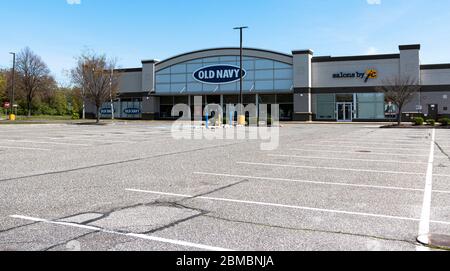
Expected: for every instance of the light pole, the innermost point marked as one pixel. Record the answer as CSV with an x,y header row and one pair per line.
x,y
83,89
13,80
241,118
110,93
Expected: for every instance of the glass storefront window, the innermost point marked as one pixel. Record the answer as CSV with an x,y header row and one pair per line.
x,y
165,88
229,87
344,98
283,85
264,85
181,100
193,67
286,111
267,99
166,100
249,99
283,74
178,78
326,106
213,99
230,99
178,88
263,76
285,99
165,71
211,60
279,65
163,78
264,64
370,106
180,68
228,59
194,87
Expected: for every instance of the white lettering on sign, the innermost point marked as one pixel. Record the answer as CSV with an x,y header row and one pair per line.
x,y
218,74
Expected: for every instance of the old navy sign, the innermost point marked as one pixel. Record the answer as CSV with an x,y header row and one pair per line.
x,y
218,74
132,111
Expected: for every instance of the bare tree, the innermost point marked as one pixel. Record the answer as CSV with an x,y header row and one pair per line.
x,y
399,90
94,74
33,75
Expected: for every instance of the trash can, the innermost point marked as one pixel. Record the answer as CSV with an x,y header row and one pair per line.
x,y
12,117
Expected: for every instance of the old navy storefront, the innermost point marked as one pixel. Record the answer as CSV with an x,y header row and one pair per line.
x,y
305,87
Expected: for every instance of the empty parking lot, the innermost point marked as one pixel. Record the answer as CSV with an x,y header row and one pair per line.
x,y
131,186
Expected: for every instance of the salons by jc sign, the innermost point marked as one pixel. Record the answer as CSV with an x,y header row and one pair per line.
x,y
366,76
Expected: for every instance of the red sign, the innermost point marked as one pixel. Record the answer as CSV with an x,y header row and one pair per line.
x,y
6,105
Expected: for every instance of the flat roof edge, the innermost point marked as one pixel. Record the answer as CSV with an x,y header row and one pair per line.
x,y
435,66
354,58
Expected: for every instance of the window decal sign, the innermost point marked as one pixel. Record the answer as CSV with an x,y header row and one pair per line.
x,y
106,111
132,111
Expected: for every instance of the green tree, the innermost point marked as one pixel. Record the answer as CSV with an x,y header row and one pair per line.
x,y
2,88
3,94
60,102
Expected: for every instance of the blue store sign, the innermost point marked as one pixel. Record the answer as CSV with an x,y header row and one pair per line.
x,y
218,74
105,111
132,111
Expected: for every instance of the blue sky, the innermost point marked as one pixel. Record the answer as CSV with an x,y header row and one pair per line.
x,y
132,30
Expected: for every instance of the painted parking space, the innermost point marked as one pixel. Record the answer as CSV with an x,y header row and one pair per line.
x,y
357,196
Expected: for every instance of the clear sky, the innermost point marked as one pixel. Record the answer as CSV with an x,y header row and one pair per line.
x,y
133,30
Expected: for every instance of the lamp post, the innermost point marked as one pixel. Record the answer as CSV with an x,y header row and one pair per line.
x,y
13,80
110,93
241,117
83,90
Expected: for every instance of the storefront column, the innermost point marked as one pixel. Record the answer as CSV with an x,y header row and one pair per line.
x,y
257,105
302,65
120,109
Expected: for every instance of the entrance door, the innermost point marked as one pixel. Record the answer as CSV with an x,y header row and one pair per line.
x,y
433,111
344,112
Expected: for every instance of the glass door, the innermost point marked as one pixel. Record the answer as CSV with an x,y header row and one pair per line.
x,y
344,112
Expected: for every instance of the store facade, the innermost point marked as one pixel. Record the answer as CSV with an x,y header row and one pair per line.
x,y
305,87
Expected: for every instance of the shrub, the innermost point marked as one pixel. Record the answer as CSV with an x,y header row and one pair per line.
x,y
418,121
75,116
45,109
444,121
431,122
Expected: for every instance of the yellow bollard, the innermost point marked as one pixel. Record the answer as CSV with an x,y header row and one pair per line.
x,y
12,117
241,120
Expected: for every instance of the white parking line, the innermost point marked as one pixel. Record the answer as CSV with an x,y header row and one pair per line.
x,y
23,148
135,235
85,139
365,146
384,143
317,182
46,142
330,168
284,206
424,226
345,159
364,153
441,175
